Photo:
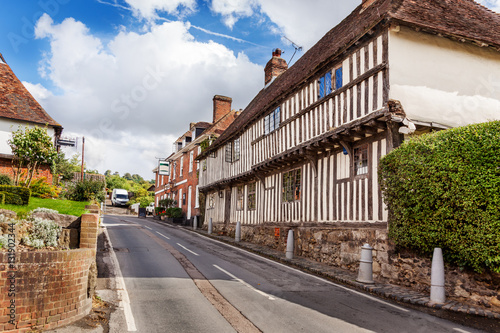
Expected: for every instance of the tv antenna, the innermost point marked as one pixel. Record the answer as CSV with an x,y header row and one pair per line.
x,y
295,46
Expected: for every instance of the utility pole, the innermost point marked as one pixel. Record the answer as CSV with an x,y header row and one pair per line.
x,y
83,154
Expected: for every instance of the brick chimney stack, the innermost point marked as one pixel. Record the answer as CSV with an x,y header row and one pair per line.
x,y
222,106
275,67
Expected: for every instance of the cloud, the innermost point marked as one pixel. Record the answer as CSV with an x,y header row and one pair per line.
x,y
491,4
304,22
138,92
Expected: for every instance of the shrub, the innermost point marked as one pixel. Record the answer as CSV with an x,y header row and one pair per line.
x,y
160,211
174,212
443,190
87,190
22,192
42,233
11,199
5,180
44,210
41,189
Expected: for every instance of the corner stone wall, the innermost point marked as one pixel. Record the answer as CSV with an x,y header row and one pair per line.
x,y
340,244
48,288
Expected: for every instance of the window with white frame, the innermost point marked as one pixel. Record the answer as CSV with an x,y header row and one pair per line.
x,y
197,200
181,166
198,164
361,160
191,160
291,185
272,121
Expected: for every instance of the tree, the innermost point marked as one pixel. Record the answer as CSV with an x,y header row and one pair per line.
x,y
65,168
32,147
107,173
127,176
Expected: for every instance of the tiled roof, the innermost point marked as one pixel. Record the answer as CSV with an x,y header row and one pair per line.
x,y
17,103
464,19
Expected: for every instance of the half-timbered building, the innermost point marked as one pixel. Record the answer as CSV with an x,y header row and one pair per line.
x,y
307,147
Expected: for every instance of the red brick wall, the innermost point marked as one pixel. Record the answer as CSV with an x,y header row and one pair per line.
x,y
50,287
6,168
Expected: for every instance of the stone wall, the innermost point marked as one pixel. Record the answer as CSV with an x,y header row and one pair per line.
x,y
339,245
45,289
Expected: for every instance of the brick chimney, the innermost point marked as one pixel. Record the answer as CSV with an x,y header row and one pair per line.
x,y
222,106
275,67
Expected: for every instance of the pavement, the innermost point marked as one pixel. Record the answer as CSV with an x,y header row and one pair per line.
x,y
348,278
108,291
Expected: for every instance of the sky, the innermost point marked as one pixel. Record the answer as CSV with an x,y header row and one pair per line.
x,y
131,75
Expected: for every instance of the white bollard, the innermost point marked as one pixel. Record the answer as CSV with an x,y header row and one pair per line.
x,y
237,234
210,226
365,274
195,222
437,277
289,245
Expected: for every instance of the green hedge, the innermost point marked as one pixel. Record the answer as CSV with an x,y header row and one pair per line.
x,y
443,190
23,193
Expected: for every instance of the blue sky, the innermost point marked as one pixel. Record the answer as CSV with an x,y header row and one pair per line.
x,y
130,75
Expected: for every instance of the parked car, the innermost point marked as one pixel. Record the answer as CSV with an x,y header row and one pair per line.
x,y
150,209
119,197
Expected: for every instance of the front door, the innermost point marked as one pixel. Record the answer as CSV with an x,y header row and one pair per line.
x,y
227,209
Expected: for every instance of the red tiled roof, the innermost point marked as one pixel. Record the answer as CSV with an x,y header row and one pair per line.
x,y
17,103
457,18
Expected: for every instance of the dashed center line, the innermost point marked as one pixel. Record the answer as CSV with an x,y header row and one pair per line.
x,y
185,248
147,227
246,284
162,235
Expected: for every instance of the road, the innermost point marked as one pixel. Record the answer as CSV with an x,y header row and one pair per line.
x,y
179,281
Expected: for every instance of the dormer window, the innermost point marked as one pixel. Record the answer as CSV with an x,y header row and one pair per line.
x,y
272,121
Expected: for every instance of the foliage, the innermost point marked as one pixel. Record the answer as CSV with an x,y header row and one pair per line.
x,y
44,210
64,168
69,207
443,190
115,181
174,212
4,239
86,190
39,188
42,233
167,203
11,192
160,211
5,180
32,147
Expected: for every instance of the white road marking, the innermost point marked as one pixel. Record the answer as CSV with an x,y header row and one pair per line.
x,y
122,290
147,227
185,248
245,284
460,330
310,275
159,233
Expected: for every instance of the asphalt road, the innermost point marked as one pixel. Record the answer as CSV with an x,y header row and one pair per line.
x,y
178,281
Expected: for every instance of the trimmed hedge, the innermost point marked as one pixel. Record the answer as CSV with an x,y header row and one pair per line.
x,y
23,193
443,190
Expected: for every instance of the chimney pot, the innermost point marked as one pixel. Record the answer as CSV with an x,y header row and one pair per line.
x,y
274,67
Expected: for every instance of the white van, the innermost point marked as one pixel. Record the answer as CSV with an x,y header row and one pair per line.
x,y
119,197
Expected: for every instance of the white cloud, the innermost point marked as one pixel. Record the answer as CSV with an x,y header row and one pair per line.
x,y
491,4
38,91
304,22
137,93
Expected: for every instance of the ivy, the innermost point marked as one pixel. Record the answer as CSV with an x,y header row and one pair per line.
x,y
443,190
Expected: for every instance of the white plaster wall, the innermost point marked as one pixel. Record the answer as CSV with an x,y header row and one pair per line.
x,y
443,81
7,126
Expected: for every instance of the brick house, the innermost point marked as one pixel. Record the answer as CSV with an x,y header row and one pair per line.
x,y
305,151
182,182
19,108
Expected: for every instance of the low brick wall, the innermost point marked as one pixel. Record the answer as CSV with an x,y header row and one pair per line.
x,y
339,245
46,289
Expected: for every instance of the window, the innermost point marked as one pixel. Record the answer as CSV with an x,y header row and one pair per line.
x,y
211,200
239,198
197,200
180,198
204,165
182,166
229,152
338,78
325,85
198,164
291,185
361,160
175,167
251,196
272,121
191,159
233,151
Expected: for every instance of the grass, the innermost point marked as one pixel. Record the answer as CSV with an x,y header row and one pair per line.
x,y
76,208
